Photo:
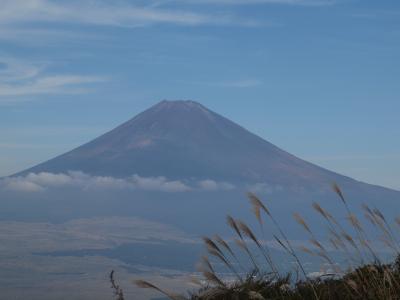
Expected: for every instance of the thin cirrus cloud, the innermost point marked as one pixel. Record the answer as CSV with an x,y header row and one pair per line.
x,y
107,13
126,14
240,83
19,78
245,83
57,84
38,182
346,158
252,2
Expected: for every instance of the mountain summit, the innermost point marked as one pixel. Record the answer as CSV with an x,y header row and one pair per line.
x,y
185,140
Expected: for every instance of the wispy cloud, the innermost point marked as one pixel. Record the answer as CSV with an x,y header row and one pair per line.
x,y
345,158
106,13
252,2
19,78
240,83
376,14
13,146
57,84
39,131
212,185
13,69
244,83
37,182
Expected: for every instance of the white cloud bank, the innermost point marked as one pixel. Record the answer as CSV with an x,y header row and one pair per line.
x,y
37,182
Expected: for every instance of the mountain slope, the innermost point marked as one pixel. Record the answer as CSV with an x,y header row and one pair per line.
x,y
185,140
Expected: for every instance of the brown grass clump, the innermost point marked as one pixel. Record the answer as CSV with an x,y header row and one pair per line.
x,y
366,276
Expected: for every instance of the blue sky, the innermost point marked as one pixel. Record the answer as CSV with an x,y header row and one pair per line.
x,y
319,78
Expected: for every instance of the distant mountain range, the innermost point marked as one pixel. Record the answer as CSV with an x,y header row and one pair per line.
x,y
185,140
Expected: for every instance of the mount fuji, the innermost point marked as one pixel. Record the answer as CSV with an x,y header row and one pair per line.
x,y
185,140
176,158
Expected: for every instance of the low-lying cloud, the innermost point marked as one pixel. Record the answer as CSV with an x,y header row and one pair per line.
x,y
37,182
211,185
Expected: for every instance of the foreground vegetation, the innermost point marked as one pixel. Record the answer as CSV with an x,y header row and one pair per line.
x,y
365,276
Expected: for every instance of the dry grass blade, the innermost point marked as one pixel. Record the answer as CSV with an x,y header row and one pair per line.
x,y
326,257
242,245
211,245
366,208
379,214
247,231
225,261
224,244
255,296
205,261
147,285
195,281
317,244
351,241
117,289
257,203
214,250
388,230
265,251
355,222
370,218
293,254
320,210
334,244
351,283
256,210
335,234
282,244
301,221
213,278
306,250
338,191
232,223
219,256
388,243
